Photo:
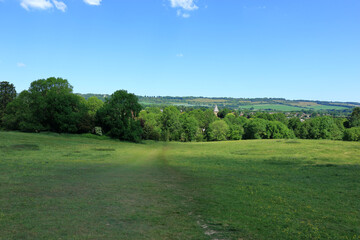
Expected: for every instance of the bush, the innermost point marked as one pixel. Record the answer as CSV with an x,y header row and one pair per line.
x,y
98,131
352,134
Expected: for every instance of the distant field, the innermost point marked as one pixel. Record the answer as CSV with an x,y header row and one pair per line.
x,y
326,107
277,107
274,104
303,104
280,107
73,187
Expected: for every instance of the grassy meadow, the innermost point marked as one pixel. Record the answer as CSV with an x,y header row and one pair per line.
x,y
79,187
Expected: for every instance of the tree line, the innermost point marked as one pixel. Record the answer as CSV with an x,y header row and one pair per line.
x,y
50,105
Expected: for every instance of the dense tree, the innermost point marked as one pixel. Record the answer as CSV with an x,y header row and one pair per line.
x,y
255,128
190,127
352,134
294,123
281,117
118,116
218,130
19,115
321,128
49,105
236,130
223,112
7,94
204,118
278,130
53,103
93,104
151,124
171,126
354,119
66,112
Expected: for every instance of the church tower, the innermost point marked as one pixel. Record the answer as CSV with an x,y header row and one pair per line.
x,y
216,110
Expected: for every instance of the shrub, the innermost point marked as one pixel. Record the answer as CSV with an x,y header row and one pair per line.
x,y
352,134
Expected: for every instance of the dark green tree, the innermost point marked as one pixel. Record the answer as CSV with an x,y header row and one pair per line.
x,y
255,128
204,118
278,130
355,118
223,112
66,112
236,130
321,128
118,116
352,134
7,94
49,105
19,115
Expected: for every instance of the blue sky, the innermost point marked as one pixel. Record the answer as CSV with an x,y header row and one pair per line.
x,y
298,49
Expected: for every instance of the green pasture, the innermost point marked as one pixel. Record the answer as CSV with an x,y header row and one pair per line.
x,y
281,107
327,107
75,187
275,107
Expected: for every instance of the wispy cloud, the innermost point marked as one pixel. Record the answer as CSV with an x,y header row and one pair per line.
x,y
42,4
21,65
179,55
183,7
93,2
60,5
36,4
181,14
188,5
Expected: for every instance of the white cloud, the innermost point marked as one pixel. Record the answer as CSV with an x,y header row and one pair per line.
x,y
60,5
20,64
179,55
37,4
93,2
179,13
188,5
185,15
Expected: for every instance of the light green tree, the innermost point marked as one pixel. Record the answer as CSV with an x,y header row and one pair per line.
x,y
218,130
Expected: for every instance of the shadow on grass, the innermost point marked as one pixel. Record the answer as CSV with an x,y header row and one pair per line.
x,y
21,147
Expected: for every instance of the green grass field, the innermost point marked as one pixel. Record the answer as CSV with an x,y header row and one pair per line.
x,y
281,107
275,107
72,187
327,107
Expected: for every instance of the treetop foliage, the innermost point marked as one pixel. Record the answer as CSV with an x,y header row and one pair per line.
x,y
118,116
43,86
7,94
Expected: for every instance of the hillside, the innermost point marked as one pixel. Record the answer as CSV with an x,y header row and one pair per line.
x,y
60,186
269,104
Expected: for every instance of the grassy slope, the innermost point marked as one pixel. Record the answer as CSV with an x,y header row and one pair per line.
x,y
78,188
276,189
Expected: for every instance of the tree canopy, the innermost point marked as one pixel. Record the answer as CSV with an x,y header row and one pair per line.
x,y
7,94
118,116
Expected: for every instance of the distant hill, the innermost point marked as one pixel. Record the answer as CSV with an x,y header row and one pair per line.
x,y
254,104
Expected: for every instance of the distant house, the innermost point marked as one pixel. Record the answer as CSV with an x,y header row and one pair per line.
x,y
216,110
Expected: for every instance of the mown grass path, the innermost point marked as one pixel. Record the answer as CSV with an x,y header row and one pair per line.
x,y
71,187
78,188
